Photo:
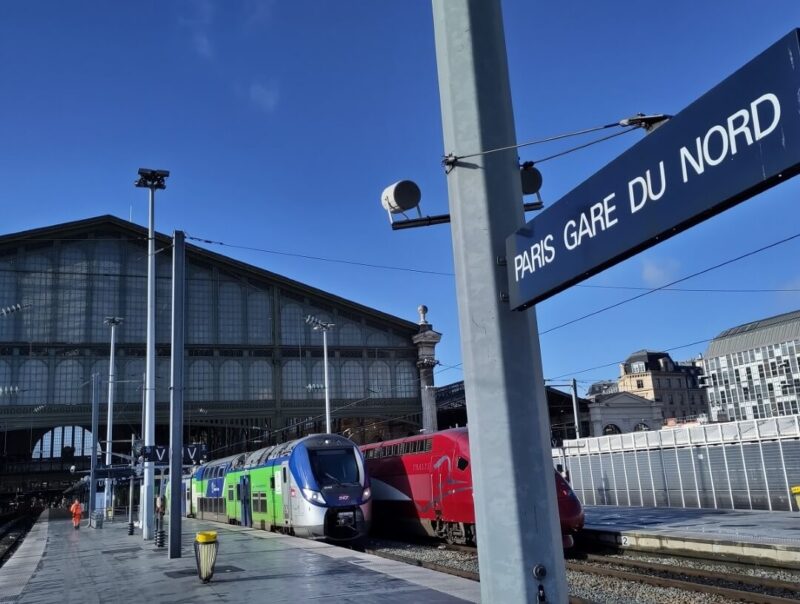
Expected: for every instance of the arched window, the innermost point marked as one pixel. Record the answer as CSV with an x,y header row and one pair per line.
x,y
201,381
230,313
641,427
318,377
380,380
261,381
378,338
612,429
163,299
293,326
72,288
68,380
135,318
131,374
65,440
198,306
230,381
37,289
259,319
349,334
352,382
106,269
407,380
33,382
293,380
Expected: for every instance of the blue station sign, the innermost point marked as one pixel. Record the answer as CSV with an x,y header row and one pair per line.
x,y
737,140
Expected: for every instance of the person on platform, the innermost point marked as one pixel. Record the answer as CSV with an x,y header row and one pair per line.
x,y
77,511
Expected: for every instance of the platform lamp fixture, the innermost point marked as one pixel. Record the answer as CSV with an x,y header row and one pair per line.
x,y
323,326
152,180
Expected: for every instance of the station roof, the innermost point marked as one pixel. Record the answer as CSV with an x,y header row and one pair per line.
x,y
764,332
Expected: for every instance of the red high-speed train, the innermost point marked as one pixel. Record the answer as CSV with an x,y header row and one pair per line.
x,y
423,484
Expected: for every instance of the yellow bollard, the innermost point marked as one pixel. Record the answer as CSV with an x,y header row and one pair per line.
x,y
205,554
796,493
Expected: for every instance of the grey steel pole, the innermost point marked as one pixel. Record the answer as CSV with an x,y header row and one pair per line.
x,y
327,391
176,396
150,398
575,408
109,493
520,551
93,457
130,489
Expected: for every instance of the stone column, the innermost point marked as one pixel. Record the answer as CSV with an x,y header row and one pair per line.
x,y
426,341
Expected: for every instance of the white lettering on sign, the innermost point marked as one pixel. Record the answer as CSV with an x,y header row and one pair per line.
x,y
598,219
645,184
722,141
539,254
723,138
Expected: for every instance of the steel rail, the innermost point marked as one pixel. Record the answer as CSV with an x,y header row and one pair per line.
x,y
735,595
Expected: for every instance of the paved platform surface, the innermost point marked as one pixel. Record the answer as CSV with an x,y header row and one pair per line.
x,y
61,565
749,535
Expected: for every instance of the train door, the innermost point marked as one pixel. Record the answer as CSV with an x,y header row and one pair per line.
x,y
286,489
245,517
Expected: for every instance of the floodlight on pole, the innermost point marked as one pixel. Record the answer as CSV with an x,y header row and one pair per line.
x,y
152,180
323,326
109,494
7,310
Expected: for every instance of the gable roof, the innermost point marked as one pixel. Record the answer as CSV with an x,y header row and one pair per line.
x,y
193,252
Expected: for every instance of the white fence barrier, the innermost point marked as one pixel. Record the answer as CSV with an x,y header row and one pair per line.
x,y
748,464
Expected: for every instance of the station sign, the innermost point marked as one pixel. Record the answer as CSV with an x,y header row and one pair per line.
x,y
739,139
192,454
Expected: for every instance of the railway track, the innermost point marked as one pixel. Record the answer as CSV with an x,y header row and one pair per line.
x,y
11,533
735,587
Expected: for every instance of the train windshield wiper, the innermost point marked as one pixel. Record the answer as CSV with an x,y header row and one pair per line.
x,y
334,479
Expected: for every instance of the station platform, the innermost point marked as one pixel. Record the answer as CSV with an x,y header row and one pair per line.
x,y
752,537
58,564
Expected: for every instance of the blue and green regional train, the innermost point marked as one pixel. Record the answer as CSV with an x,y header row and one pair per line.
x,y
315,487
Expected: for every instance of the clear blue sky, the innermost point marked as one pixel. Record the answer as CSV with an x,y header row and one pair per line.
x,y
282,121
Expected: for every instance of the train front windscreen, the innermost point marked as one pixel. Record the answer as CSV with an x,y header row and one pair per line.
x,y
334,467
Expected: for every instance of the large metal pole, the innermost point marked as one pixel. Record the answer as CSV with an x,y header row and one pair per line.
x,y
575,408
150,391
109,494
176,397
327,392
93,457
520,551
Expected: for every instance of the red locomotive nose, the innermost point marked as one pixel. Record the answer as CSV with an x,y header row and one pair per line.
x,y
570,510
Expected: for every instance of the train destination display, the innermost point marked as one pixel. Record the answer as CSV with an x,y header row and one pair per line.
x,y
737,140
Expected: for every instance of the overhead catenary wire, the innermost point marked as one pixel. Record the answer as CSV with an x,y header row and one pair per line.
x,y
676,281
540,141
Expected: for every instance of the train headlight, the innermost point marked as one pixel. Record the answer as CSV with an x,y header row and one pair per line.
x,y
314,496
366,494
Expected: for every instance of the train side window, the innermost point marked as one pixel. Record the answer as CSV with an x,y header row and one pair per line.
x,y
230,493
428,444
284,474
272,483
462,463
238,492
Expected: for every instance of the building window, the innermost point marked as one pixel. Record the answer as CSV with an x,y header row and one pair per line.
x,y
200,382
639,384
261,380
199,319
611,429
293,380
230,381
259,319
638,367
407,380
352,380
380,380
230,313
641,427
293,326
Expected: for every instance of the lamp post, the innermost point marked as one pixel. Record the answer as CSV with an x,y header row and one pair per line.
x,y
323,326
152,180
109,494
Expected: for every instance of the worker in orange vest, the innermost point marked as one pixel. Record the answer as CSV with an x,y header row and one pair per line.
x,y
77,511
